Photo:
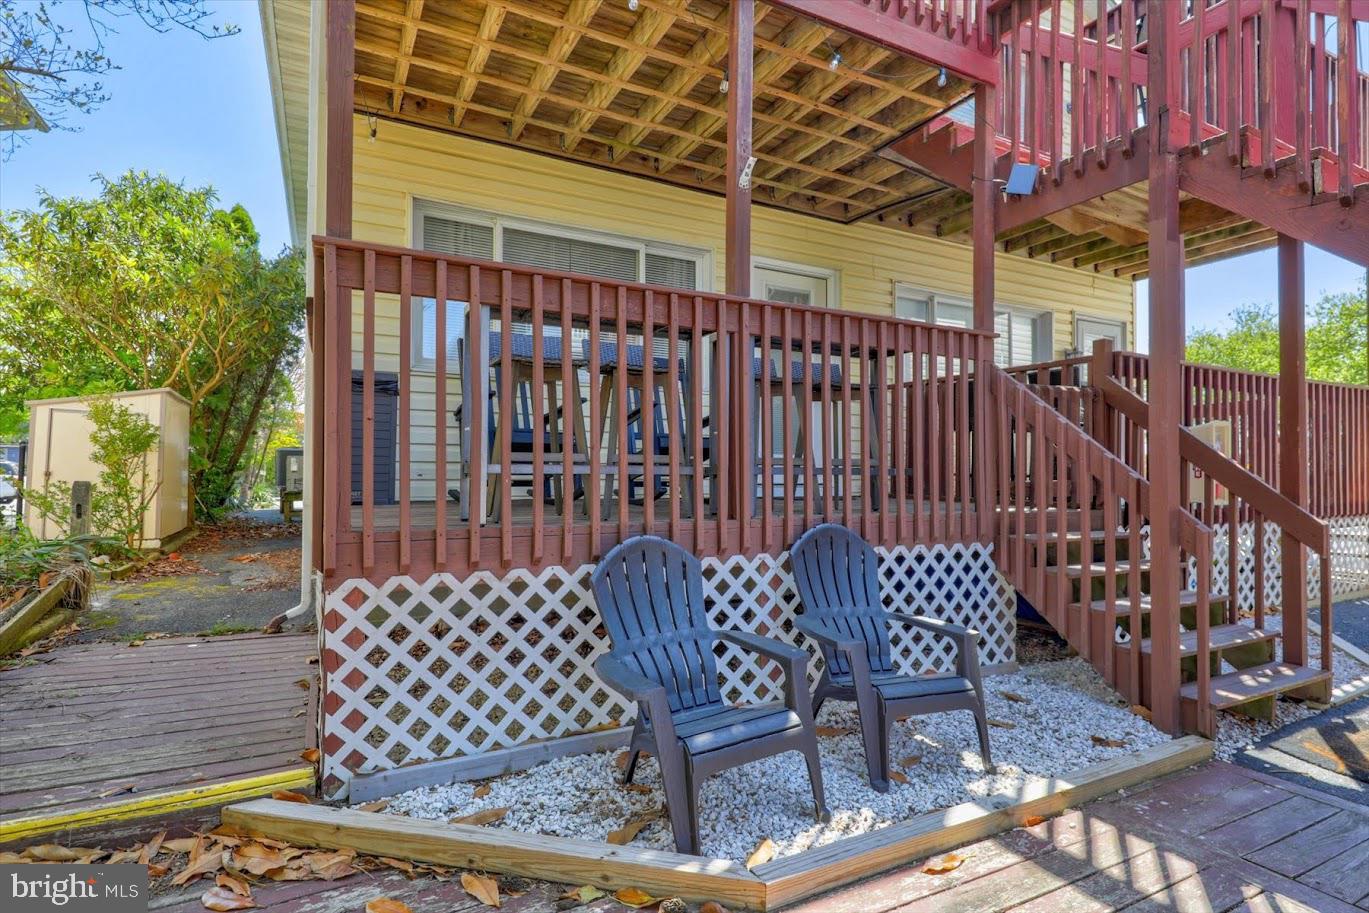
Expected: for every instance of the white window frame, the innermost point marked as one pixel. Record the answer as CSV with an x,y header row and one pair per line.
x,y
832,276
1034,313
960,301
702,257
1121,325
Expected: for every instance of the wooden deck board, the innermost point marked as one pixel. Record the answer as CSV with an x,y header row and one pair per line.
x,y
1308,848
89,727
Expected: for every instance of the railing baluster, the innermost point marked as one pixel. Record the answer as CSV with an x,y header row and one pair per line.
x,y
1266,87
1085,495
696,423
1020,469
767,417
1100,87
1346,102
474,461
1109,569
806,424
506,418
1234,111
406,315
1041,491
787,424
674,415
828,451
1077,91
882,438
847,423
647,417
540,420
1127,91
619,417
570,417
596,489
1301,77
919,448
745,394
1196,49
1055,122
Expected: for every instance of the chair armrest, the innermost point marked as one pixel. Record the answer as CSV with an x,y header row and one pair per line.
x,y
828,638
794,661
967,650
936,626
635,686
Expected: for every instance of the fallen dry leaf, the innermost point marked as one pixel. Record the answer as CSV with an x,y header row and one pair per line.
x,y
233,883
637,787
378,805
129,855
219,898
311,755
12,859
285,795
899,776
482,790
156,870
911,761
488,816
634,897
586,893
1014,697
51,852
332,866
402,865
763,853
1142,712
256,859
302,684
1002,724
118,790
386,905
1033,820
713,907
152,848
179,844
207,863
833,731
623,835
943,864
482,887
1103,742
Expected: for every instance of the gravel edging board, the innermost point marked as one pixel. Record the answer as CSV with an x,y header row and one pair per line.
x,y
693,878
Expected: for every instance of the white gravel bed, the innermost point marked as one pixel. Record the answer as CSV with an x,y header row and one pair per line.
x,y
1236,733
1049,733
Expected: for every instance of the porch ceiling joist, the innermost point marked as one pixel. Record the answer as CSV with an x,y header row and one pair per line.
x,y
640,91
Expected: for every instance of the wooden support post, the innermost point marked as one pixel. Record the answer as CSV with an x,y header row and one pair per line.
x,y
985,207
1166,249
1293,442
340,73
741,49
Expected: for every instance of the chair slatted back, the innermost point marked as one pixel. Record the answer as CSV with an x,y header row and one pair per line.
x,y
650,596
837,573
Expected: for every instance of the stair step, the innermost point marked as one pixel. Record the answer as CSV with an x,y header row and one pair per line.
x,y
1187,599
1220,637
1099,569
1255,682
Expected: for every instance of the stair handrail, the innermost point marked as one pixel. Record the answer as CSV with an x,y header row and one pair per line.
x,y
1055,442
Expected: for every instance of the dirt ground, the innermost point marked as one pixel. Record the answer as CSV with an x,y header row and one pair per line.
x,y
231,578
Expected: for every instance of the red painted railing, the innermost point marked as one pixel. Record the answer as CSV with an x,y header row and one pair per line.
x,y
1338,428
767,418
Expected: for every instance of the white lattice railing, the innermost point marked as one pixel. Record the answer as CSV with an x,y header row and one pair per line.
x,y
418,670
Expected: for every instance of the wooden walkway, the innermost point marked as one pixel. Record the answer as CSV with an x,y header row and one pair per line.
x,y
109,733
1212,839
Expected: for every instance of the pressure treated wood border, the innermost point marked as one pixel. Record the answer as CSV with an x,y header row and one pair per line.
x,y
694,878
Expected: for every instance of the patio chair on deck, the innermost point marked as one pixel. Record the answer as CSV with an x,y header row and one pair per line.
x,y
837,576
650,596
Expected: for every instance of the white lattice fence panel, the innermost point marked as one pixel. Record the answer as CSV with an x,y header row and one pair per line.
x,y
417,670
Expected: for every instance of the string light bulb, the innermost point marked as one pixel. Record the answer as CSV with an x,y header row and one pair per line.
x,y
724,85
632,5
942,78
835,61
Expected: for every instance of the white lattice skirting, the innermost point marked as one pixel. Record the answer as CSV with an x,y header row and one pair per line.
x,y
1349,562
418,670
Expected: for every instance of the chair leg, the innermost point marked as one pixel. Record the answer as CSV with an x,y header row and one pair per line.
x,y
631,766
692,790
810,754
675,778
981,724
872,733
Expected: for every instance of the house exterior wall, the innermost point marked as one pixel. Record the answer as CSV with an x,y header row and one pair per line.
x,y
404,164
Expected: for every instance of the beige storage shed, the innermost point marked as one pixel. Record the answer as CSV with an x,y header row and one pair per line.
x,y
60,452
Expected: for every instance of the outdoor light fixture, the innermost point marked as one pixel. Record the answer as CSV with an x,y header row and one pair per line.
x,y
835,61
632,5
723,86
941,79
1022,179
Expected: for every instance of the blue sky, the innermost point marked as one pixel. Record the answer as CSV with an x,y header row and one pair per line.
x,y
197,110
200,111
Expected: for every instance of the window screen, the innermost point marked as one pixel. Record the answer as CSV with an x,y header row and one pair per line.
x,y
911,305
571,255
676,272
460,239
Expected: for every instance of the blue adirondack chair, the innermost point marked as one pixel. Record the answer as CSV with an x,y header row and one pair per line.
x,y
650,596
836,572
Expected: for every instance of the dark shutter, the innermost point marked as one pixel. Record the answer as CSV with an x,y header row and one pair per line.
x,y
387,423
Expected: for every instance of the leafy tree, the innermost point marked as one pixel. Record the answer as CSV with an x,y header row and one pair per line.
x,y
148,285
1337,347
53,52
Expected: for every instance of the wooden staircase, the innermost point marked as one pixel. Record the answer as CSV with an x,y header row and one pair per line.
x,y
1087,572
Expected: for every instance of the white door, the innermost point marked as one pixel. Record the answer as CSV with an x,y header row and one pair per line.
x,y
790,287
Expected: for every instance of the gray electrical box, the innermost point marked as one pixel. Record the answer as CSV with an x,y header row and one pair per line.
x,y
290,468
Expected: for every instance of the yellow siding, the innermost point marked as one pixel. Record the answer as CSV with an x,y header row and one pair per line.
x,y
405,163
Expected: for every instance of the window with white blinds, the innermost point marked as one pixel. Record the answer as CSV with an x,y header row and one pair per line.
x,y
1024,336
450,231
